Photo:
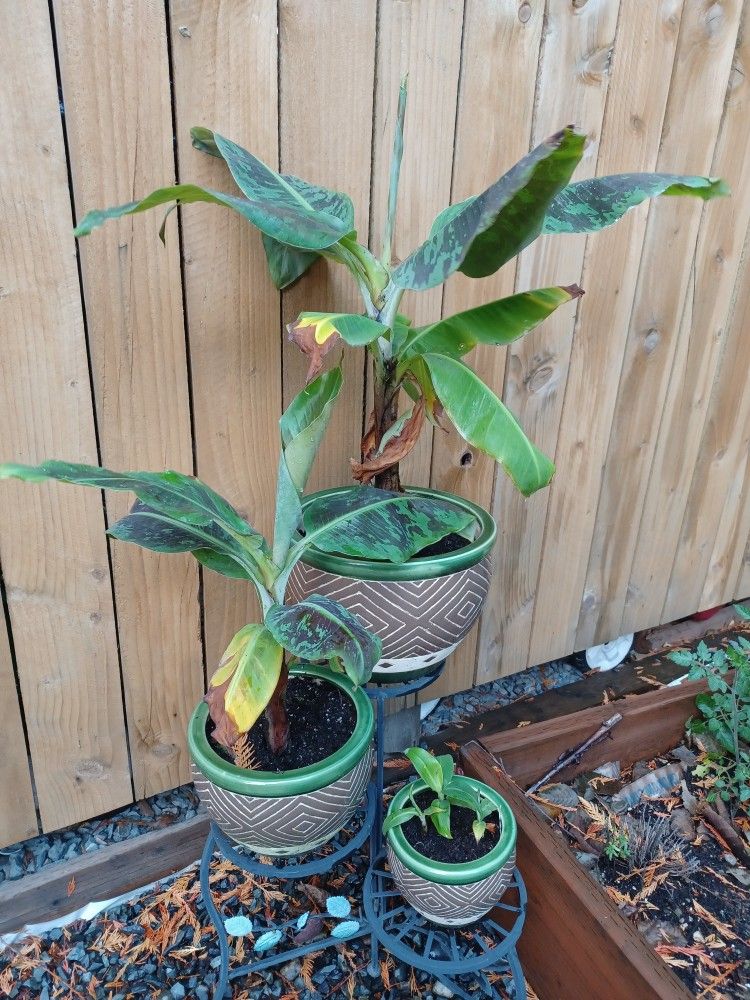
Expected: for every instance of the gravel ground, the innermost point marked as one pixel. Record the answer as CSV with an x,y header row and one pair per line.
x,y
503,691
161,945
63,845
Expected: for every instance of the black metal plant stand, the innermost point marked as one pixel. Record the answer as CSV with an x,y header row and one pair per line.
x,y
452,955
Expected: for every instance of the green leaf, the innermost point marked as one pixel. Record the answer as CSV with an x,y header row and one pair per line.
x,y
178,498
485,231
355,330
203,139
478,828
321,629
398,817
448,768
302,425
590,205
484,421
441,820
496,323
427,767
183,194
286,264
287,209
461,795
365,522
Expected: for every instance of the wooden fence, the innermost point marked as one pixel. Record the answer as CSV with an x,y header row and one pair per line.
x,y
124,352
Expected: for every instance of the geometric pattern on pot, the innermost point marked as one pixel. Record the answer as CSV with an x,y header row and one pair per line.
x,y
451,905
418,621
289,824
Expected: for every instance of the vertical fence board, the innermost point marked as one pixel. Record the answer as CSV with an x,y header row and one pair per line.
x,y
424,40
702,339
691,124
708,539
225,77
51,536
326,132
574,67
119,120
18,815
608,548
646,43
501,46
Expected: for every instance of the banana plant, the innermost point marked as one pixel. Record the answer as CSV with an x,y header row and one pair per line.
x,y
301,222
174,512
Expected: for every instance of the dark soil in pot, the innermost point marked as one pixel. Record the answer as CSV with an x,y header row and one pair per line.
x,y
451,543
322,717
463,846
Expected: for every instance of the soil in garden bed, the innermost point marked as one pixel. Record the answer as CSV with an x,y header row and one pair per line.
x,y
322,717
675,876
463,846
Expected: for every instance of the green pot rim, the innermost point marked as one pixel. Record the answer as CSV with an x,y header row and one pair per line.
x,y
442,872
270,784
415,569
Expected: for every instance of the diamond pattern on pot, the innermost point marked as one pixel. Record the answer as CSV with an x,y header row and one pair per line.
x,y
413,618
289,824
451,905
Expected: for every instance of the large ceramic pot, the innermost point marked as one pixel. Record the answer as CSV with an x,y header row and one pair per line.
x,y
453,894
421,609
293,811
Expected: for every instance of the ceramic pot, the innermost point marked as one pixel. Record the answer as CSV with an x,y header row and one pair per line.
x,y
293,811
421,609
453,894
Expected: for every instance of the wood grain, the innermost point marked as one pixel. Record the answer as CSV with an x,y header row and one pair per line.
x,y
52,542
501,51
119,132
710,540
651,723
422,39
326,135
700,75
575,942
574,71
636,102
700,346
104,874
225,77
18,816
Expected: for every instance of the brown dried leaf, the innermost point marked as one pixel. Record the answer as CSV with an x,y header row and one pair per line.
x,y
71,886
304,338
396,448
225,732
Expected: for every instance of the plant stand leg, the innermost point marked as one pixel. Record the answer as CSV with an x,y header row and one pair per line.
x,y
216,919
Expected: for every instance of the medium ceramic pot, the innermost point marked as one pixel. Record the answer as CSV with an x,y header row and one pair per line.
x,y
292,811
453,894
421,609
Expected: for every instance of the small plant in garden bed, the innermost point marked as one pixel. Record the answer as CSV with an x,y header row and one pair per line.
x,y
177,513
302,222
663,862
725,716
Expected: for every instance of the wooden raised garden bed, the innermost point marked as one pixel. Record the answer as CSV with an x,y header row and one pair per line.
x,y
576,944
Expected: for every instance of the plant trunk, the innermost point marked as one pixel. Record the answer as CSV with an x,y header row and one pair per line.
x,y
278,721
386,394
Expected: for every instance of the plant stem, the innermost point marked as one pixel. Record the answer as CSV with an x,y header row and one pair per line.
x,y
398,152
276,715
385,392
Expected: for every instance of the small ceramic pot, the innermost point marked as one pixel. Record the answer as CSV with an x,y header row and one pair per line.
x,y
453,894
290,812
421,609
